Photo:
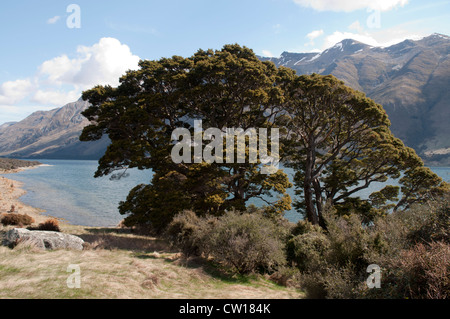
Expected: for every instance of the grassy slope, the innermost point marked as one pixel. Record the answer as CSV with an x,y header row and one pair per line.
x,y
118,264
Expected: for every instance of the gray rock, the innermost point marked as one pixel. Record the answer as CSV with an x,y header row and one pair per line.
x,y
43,239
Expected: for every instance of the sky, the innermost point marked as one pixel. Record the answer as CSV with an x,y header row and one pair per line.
x,y
52,50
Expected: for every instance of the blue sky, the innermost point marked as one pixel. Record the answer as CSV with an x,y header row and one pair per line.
x,y
45,63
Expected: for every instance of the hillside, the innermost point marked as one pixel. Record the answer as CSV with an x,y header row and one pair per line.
x,y
410,79
50,134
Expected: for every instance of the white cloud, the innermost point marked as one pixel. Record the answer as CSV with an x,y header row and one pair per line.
x,y
101,64
383,38
61,80
267,53
14,91
53,20
356,26
314,34
351,5
57,98
338,36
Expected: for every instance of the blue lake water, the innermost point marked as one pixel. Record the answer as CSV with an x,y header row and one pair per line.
x,y
67,189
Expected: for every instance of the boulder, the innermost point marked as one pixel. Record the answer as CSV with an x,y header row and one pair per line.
x,y
43,239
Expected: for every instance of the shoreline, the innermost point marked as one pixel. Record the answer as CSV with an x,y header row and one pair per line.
x,y
10,193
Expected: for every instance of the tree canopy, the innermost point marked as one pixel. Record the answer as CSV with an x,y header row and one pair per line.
x,y
228,88
336,139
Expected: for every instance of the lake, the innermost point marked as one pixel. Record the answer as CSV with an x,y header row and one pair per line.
x,y
67,189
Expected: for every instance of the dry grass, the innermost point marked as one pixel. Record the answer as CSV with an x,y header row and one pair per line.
x,y
119,264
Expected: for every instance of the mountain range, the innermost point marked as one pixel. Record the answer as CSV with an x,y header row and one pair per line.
x,y
410,79
51,135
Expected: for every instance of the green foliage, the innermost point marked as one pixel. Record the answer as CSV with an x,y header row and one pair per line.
x,y
308,251
242,242
228,88
410,246
186,231
336,139
339,142
245,242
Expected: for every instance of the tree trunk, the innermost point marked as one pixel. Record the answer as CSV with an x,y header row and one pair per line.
x,y
311,213
319,202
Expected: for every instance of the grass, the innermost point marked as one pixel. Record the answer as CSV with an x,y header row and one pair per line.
x,y
120,264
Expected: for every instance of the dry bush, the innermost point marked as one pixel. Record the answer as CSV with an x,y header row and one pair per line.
x,y
421,272
17,220
51,224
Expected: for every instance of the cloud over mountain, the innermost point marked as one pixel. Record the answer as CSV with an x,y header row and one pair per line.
x,y
62,79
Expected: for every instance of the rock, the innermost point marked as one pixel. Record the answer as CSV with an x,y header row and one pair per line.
x,y
43,239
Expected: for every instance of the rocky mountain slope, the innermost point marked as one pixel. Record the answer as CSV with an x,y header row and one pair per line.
x,y
50,134
410,79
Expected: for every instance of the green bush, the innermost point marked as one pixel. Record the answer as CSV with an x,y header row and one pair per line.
x,y
242,242
187,230
16,220
332,283
245,242
308,251
333,262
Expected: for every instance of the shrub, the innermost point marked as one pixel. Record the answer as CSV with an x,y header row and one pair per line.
x,y
308,251
286,276
16,220
421,272
434,222
312,283
186,232
333,262
245,242
51,224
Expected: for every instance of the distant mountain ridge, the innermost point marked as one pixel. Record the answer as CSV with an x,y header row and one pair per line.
x,y
50,134
410,79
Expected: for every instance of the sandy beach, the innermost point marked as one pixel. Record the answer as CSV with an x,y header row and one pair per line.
x,y
11,191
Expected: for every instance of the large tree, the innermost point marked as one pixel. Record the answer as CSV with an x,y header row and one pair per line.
x,y
336,139
228,88
340,143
